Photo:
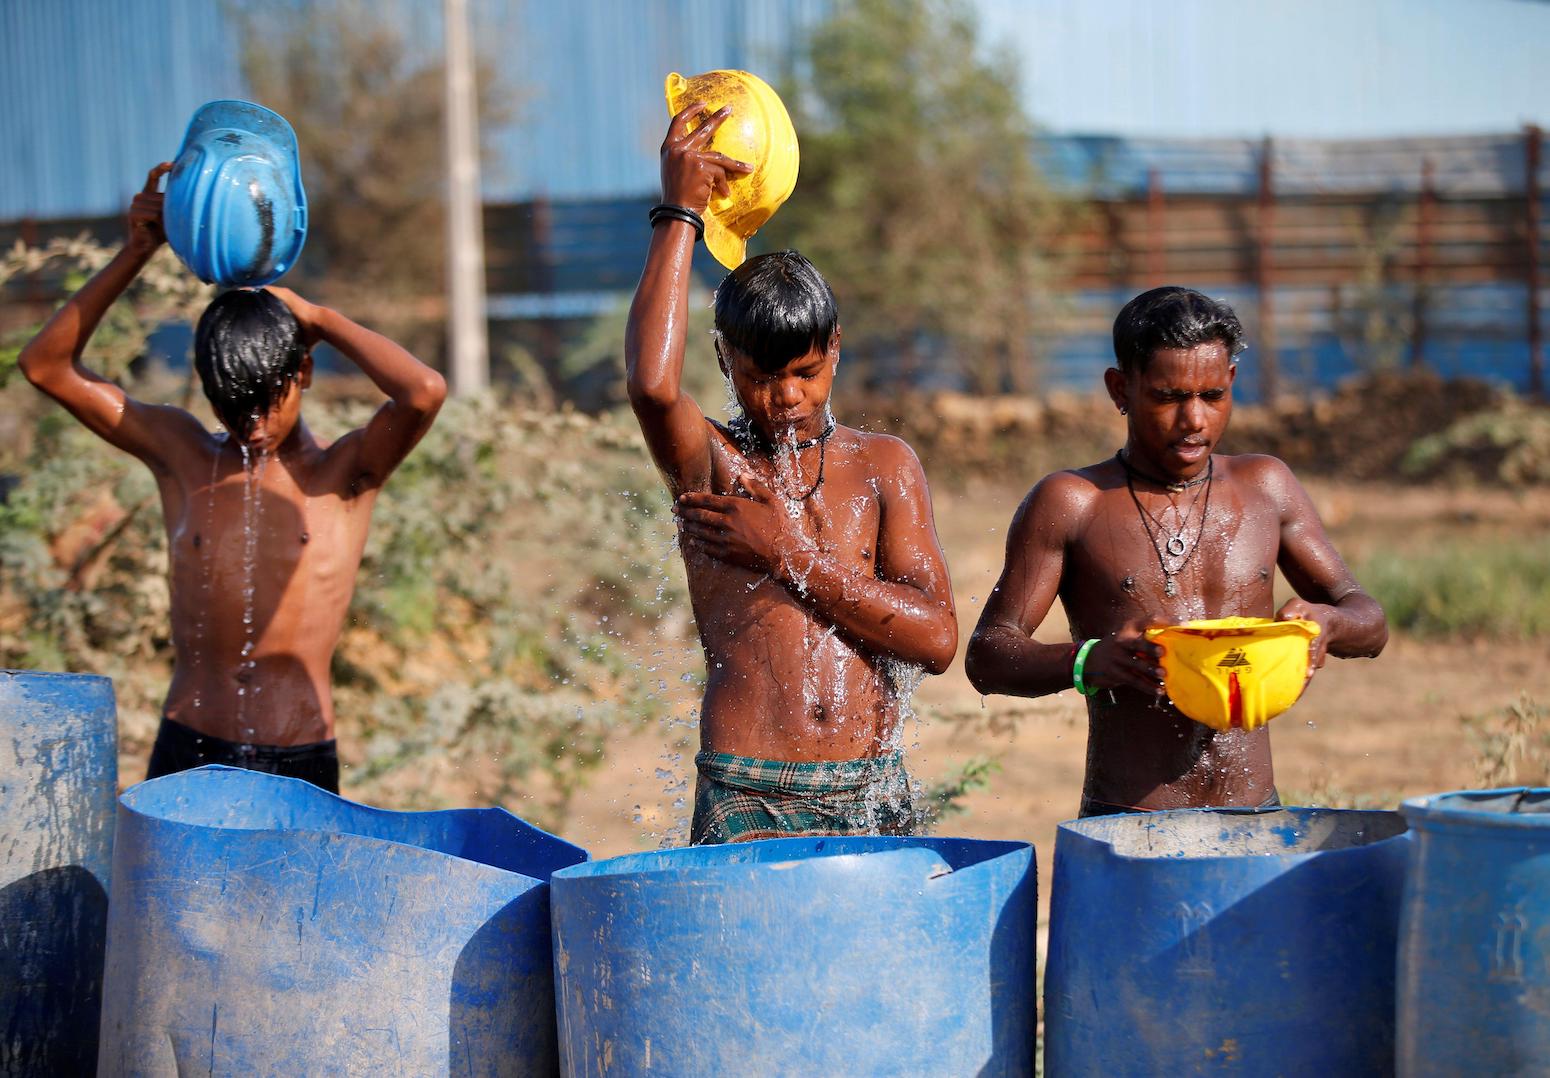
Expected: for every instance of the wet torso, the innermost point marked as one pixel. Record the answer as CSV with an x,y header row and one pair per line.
x,y
1142,752
262,563
782,684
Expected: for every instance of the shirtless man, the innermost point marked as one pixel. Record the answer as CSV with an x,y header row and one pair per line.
x,y
813,563
265,522
1164,532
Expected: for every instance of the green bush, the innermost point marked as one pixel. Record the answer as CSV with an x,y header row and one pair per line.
x,y
1495,589
1508,444
508,558
1512,748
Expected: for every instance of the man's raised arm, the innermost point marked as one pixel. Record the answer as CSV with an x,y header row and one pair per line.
x,y
415,392
52,360
654,339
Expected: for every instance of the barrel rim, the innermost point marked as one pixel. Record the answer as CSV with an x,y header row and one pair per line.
x,y
663,861
564,846
49,675
1074,829
1429,809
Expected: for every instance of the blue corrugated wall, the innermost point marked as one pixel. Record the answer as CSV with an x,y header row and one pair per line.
x,y
96,91
589,76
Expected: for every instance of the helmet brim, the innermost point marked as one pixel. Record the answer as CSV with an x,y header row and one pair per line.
x,y
232,115
726,246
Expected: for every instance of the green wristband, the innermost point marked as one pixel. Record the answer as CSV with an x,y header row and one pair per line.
x,y
1077,667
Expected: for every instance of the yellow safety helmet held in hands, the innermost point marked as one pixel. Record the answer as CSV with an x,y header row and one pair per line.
x,y
1235,672
757,133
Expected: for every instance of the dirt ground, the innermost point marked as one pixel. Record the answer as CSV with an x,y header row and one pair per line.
x,y
1367,732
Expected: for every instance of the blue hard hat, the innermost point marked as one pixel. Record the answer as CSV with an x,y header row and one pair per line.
x,y
235,211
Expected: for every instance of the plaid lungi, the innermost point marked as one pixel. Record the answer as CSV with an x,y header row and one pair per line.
x,y
740,798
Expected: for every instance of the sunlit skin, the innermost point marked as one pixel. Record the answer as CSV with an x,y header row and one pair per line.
x,y
1078,535
796,613
312,503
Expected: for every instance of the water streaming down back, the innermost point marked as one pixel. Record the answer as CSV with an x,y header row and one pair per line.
x,y
252,508
207,549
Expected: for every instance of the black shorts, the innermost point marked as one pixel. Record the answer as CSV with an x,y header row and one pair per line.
x,y
181,748
1105,808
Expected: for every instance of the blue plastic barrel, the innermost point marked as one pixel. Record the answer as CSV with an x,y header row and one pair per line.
x,y
58,778
260,925
1474,935
802,956
1224,941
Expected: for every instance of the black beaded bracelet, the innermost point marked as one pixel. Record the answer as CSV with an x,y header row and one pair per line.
x,y
668,212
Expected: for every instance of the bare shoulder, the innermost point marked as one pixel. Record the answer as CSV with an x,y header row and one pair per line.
x,y
337,466
175,422
1255,466
1060,503
887,456
1269,474
1072,488
181,440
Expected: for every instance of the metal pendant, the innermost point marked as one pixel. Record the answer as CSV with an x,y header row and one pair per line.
x,y
1168,589
1176,546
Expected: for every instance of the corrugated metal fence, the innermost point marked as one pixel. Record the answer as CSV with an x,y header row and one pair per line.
x,y
1339,256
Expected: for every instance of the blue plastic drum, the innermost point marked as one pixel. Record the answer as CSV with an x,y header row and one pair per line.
x,y
58,778
262,926
1224,941
1474,942
803,956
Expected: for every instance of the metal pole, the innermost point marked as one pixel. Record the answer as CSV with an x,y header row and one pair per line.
x,y
1423,264
1532,141
1270,374
468,344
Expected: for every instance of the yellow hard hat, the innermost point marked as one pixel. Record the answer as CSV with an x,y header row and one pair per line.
x,y
1235,672
758,133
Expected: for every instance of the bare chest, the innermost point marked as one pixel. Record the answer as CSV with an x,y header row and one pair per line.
x,y
263,529
839,513
830,499
1187,558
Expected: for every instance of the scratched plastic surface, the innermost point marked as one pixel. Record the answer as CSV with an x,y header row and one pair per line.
x,y
259,925
804,956
1224,941
58,777
1474,935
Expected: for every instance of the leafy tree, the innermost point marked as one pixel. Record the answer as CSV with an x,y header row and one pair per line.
x,y
918,197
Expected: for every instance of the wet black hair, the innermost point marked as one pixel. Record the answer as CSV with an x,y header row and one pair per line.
x,y
247,350
1172,317
774,308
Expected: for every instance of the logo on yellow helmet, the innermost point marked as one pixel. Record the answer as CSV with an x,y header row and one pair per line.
x,y
1234,672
